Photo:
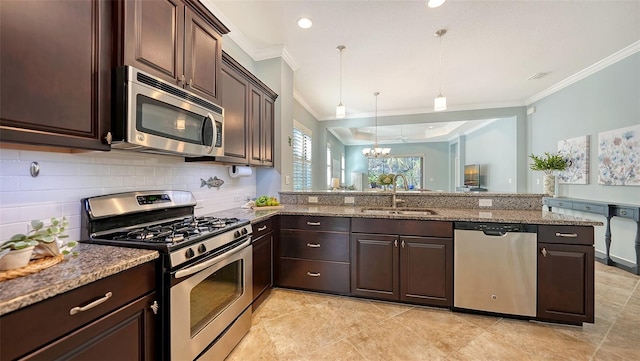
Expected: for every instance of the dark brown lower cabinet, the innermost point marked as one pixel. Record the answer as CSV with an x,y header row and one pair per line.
x,y
565,283
125,334
262,268
403,268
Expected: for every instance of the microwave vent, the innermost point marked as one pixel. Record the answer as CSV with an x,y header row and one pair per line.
x,y
177,92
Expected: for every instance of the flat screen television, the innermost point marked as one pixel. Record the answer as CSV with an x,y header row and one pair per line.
x,y
472,175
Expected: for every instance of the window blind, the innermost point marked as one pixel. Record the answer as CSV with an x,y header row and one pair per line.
x,y
301,160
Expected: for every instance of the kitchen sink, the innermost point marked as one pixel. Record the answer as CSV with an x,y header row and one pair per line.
x,y
400,211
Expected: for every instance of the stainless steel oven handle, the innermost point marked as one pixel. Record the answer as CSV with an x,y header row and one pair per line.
x,y
200,266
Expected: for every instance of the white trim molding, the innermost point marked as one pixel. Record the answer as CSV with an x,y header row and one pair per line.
x,y
611,59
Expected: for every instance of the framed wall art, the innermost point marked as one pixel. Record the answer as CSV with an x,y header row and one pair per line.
x,y
619,157
576,152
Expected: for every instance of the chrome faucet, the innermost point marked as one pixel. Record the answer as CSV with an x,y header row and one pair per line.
x,y
395,200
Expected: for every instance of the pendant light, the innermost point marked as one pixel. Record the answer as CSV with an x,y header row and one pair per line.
x,y
376,151
440,102
341,111
435,3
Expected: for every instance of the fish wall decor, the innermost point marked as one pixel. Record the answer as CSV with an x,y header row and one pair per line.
x,y
211,182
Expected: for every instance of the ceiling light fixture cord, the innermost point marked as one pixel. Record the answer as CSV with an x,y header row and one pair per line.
x,y
340,109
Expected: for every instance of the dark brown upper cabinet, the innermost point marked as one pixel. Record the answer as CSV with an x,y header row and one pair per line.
x,y
249,108
55,80
179,41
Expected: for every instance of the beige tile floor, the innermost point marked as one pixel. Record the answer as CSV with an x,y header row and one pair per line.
x,y
296,325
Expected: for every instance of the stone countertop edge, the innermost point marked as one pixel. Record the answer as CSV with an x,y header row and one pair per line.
x,y
92,263
541,217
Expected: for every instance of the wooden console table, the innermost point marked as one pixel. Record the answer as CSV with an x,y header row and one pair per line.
x,y
609,210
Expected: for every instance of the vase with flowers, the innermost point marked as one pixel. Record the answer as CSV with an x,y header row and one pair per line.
x,y
385,180
549,164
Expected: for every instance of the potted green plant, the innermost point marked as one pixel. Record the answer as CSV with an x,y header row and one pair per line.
x,y
44,241
549,163
16,254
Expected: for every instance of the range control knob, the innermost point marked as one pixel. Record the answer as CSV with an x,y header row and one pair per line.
x,y
236,234
202,248
244,231
189,253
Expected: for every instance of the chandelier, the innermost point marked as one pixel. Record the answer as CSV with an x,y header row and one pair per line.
x,y
376,151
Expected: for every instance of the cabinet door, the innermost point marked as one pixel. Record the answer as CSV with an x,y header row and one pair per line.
x,y
565,283
202,56
374,261
267,131
262,268
128,333
426,270
55,74
154,37
255,124
235,90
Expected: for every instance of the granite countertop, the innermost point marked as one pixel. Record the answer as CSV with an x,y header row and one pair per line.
x,y
442,214
92,263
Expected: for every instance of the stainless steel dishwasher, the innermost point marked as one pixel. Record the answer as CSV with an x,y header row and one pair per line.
x,y
495,268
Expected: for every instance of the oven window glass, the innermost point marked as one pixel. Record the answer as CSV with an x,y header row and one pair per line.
x,y
167,121
215,293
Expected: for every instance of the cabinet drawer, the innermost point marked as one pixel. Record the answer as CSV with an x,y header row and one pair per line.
x,y
404,227
566,234
591,208
262,228
50,319
315,275
324,246
314,223
626,212
557,203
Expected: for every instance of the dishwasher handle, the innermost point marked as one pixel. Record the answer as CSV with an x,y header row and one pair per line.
x,y
494,233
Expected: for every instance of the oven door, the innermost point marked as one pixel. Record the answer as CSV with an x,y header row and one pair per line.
x,y
208,297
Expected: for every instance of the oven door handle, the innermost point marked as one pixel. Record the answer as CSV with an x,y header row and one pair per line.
x,y
200,266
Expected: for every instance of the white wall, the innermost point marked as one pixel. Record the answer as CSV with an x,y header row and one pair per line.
x,y
66,178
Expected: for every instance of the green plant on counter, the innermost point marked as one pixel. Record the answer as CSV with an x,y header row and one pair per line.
x,y
548,163
41,234
385,179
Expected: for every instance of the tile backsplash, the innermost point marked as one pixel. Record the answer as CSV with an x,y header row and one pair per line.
x,y
66,178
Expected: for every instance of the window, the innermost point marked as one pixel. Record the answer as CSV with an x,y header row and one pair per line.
x,y
410,166
301,158
329,172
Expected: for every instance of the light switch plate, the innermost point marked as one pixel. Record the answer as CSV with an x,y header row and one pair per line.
x,y
313,199
287,179
485,202
349,200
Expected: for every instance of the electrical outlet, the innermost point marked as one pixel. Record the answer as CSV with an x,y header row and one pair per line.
x,y
313,199
349,200
509,180
537,181
287,179
485,202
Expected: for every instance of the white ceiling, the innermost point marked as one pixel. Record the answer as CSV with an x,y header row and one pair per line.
x,y
490,50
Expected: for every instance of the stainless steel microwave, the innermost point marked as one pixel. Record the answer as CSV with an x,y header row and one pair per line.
x,y
151,115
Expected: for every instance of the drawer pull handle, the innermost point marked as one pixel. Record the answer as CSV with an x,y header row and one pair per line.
x,y
313,245
587,208
567,235
624,213
93,304
262,228
395,243
313,274
544,252
402,243
313,223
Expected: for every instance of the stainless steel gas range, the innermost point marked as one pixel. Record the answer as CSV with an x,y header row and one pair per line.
x,y
204,269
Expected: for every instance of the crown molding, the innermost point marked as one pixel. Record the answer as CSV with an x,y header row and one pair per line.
x,y
279,51
298,97
610,60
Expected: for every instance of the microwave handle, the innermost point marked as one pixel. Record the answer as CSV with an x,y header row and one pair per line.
x,y
209,124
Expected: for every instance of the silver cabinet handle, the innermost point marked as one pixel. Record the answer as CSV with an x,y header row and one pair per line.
x,y
313,274
93,304
313,245
402,243
623,212
108,138
181,79
190,82
313,223
395,243
262,228
567,235
544,252
154,307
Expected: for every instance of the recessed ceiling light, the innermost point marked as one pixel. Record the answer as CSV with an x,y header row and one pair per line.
x,y
435,3
305,23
